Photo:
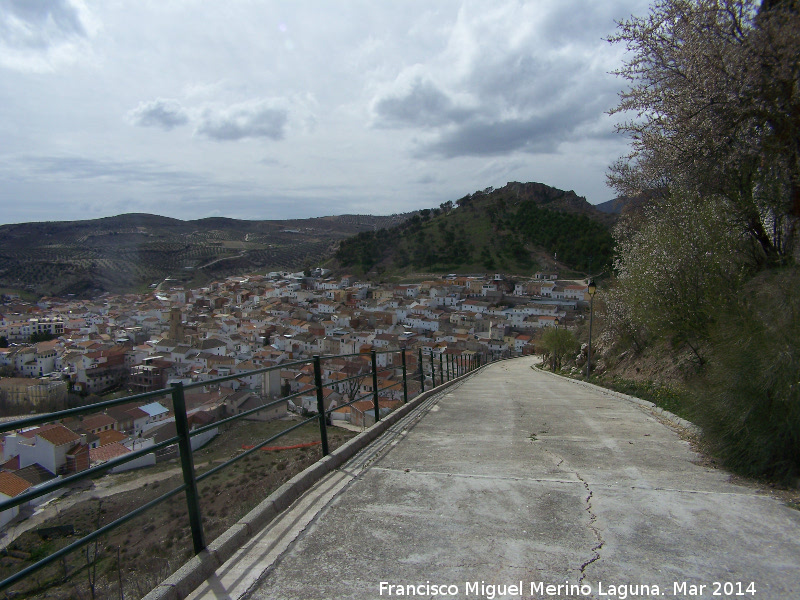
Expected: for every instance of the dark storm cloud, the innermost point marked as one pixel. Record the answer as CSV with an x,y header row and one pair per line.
x,y
535,135
521,104
38,24
164,113
567,115
423,105
520,93
249,120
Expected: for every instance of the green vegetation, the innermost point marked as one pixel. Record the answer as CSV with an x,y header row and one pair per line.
x,y
676,262
509,229
668,397
749,405
708,265
577,240
558,344
41,337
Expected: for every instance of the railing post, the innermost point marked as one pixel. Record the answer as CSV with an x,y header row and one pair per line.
x,y
421,373
441,370
375,386
405,383
433,370
187,466
323,421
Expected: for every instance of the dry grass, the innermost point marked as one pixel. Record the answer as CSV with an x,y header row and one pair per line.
x,y
155,544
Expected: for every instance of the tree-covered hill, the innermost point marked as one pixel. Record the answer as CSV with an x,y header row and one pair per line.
x,y
515,229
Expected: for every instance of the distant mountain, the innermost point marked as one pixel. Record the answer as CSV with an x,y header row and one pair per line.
x,y
625,204
518,228
126,253
613,207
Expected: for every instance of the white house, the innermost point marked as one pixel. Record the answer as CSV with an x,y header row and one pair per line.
x,y
51,446
11,486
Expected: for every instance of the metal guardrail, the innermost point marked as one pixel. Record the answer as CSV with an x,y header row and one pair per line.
x,y
449,367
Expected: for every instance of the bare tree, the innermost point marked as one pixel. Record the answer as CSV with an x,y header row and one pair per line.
x,y
92,552
358,371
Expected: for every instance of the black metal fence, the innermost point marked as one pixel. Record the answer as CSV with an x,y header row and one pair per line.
x,y
432,369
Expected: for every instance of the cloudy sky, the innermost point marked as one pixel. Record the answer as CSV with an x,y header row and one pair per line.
x,y
274,110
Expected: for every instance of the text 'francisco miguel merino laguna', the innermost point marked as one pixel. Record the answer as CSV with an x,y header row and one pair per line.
x,y
489,591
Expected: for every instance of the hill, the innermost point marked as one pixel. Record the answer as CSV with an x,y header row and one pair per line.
x,y
517,228
126,253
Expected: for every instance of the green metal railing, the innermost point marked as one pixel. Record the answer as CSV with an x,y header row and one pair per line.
x,y
452,367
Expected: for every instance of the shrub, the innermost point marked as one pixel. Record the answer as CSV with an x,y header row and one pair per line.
x,y
750,408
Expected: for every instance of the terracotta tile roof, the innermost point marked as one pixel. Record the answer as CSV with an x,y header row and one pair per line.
x,y
59,435
96,421
35,474
107,452
137,413
11,485
120,415
110,436
11,464
78,449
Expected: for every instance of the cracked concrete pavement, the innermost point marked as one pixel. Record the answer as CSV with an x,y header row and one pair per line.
x,y
517,477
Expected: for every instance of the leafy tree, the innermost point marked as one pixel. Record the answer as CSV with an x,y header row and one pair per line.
x,y
41,337
558,343
716,110
3,341
486,259
675,269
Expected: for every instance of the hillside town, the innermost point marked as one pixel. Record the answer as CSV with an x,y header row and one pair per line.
x,y
141,343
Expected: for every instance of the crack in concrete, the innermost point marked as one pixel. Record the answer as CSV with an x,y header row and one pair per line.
x,y
592,519
592,525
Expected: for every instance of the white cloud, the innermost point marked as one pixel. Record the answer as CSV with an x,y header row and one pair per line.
x,y
41,36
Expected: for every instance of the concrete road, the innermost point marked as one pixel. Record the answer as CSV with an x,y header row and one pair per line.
x,y
518,484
